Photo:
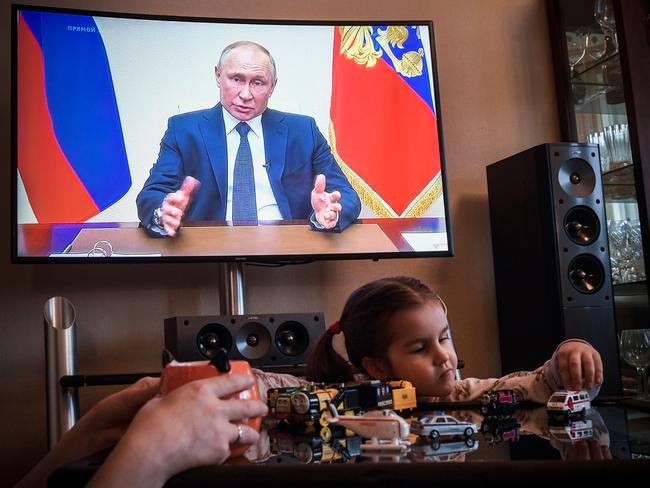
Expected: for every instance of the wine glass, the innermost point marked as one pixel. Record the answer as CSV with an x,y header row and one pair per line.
x,y
635,349
596,44
604,15
576,47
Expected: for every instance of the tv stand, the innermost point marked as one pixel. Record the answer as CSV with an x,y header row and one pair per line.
x,y
231,288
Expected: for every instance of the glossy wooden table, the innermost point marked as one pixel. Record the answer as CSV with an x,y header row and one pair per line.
x,y
531,460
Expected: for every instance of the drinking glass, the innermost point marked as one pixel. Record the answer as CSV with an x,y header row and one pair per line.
x,y
617,141
596,45
635,349
576,47
599,138
604,15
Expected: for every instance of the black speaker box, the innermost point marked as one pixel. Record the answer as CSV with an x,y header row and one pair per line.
x,y
551,256
279,342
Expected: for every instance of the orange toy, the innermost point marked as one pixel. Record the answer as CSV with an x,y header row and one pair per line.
x,y
176,374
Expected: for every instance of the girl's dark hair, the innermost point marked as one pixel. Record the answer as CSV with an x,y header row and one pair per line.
x,y
365,323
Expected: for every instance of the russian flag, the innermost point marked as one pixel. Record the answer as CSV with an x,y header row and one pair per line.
x,y
384,132
71,154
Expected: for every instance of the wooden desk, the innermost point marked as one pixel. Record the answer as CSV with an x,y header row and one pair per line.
x,y
263,240
278,240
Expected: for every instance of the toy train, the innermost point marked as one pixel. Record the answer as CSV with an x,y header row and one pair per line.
x,y
307,446
307,403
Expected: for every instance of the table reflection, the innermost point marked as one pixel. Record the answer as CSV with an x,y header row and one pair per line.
x,y
527,434
610,444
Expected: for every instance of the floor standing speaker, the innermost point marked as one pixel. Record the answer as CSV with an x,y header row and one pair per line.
x,y
551,256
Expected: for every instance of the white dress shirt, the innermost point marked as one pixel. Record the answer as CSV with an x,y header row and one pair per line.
x,y
267,206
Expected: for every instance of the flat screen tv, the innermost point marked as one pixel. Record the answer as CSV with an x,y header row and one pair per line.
x,y
127,129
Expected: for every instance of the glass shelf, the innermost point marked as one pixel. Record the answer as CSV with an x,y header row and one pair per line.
x,y
634,288
598,88
593,73
619,176
618,184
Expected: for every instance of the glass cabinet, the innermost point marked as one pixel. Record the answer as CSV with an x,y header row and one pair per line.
x,y
599,113
595,107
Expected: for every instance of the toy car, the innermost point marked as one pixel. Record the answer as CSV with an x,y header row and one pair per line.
x,y
442,425
498,403
568,404
444,451
573,431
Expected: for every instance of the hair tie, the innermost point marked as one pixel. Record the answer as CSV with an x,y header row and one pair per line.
x,y
338,341
335,328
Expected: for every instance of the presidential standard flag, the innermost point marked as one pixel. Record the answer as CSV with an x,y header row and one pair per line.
x,y
384,132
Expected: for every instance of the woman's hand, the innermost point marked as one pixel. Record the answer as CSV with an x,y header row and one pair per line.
x,y
192,426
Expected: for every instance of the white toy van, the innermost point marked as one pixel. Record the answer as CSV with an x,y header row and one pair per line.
x,y
573,431
568,403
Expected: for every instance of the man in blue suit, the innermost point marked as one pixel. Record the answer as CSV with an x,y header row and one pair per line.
x,y
242,162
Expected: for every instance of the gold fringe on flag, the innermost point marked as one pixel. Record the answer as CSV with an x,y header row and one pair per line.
x,y
374,202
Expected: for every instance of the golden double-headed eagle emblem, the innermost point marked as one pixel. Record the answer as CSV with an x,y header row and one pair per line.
x,y
357,45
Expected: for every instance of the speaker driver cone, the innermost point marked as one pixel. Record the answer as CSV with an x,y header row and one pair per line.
x,y
292,338
586,274
253,340
213,337
582,225
577,178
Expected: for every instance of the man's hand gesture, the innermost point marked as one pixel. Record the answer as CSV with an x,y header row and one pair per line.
x,y
174,205
326,205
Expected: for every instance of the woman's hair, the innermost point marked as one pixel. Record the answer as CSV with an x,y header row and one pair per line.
x,y
365,322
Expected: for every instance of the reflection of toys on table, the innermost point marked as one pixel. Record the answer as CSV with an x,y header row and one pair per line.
x,y
564,405
573,430
443,451
363,408
305,445
442,425
500,429
498,403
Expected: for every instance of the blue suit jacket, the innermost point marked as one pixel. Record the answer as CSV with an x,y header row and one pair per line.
x,y
195,145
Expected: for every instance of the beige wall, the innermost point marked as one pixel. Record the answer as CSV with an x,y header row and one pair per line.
x,y
497,92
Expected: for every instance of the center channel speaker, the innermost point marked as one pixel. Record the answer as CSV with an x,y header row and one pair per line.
x,y
551,256
274,342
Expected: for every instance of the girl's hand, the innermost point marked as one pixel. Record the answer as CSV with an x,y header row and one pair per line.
x,y
580,366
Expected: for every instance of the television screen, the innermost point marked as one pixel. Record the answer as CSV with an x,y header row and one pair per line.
x,y
141,138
